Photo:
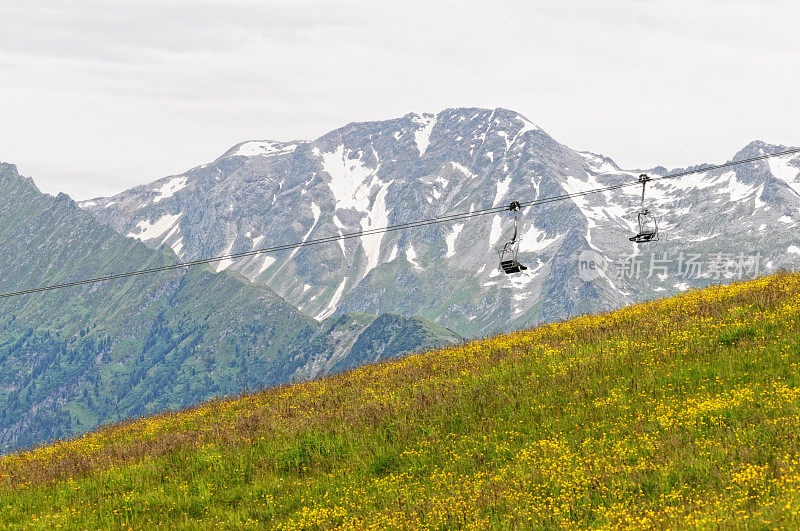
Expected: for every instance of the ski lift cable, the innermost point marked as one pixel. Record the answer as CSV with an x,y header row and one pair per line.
x,y
379,230
234,256
659,178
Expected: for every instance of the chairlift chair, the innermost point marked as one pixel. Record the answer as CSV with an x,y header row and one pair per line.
x,y
508,252
648,223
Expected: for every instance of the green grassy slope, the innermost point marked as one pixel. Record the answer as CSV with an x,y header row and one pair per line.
x,y
74,357
680,413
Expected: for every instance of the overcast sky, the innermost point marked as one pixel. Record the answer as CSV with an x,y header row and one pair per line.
x,y
98,96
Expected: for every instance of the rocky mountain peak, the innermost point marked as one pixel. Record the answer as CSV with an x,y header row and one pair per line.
x,y
8,169
757,148
10,174
369,175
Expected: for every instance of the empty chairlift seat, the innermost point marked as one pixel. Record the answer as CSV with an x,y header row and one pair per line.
x,y
511,266
509,251
648,223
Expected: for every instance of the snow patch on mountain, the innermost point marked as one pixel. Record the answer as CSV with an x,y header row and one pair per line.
x,y
264,148
411,256
780,167
497,230
169,188
175,243
177,246
535,240
150,231
315,211
611,211
463,169
703,238
348,178
422,136
518,282
268,261
378,217
351,183
736,189
331,308
450,239
222,265
340,227
526,126
757,202
502,189
694,181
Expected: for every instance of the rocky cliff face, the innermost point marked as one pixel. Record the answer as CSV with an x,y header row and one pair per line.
x,y
367,175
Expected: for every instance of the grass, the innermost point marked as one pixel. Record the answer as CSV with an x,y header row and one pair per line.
x,y
680,413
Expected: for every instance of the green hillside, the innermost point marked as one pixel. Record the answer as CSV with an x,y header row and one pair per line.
x,y
680,413
74,358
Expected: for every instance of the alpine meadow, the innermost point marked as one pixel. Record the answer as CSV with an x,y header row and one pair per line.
x,y
679,413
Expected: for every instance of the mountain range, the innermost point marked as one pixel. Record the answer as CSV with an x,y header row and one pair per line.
x,y
366,175
79,357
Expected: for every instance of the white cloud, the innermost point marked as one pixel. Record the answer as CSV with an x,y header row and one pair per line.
x,y
95,98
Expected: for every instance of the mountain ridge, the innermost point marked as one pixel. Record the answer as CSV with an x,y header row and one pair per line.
x,y
370,174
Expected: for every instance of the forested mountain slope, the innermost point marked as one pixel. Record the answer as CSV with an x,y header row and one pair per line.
x,y
76,357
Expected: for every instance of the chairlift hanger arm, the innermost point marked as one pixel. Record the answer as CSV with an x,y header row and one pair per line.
x,y
643,178
516,224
